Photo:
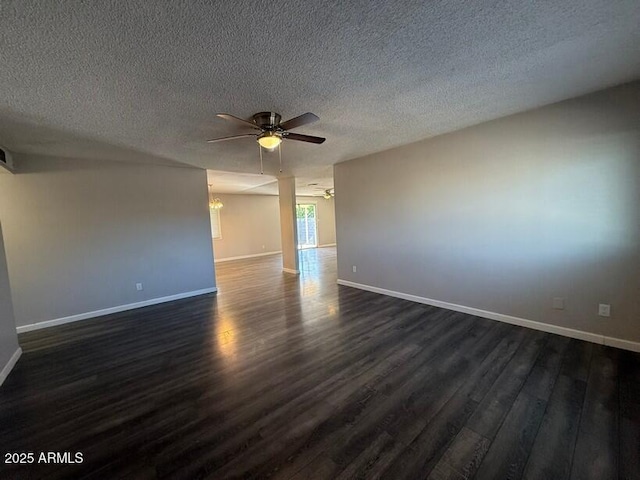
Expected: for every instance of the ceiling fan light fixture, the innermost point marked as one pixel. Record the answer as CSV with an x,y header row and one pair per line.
x,y
272,131
269,140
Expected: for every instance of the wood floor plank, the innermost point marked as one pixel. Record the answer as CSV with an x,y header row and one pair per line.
x,y
543,376
552,453
321,468
359,406
495,406
421,456
463,457
508,454
577,359
374,460
630,446
629,377
597,446
351,410
354,433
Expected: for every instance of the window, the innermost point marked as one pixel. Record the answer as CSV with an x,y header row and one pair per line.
x,y
216,233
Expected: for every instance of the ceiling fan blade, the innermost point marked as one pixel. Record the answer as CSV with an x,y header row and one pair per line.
x,y
246,123
296,122
304,138
232,137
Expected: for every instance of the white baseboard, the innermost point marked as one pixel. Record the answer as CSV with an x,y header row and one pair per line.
x,y
107,311
10,364
622,344
500,317
241,257
327,245
291,270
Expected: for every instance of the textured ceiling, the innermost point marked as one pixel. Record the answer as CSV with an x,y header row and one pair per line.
x,y
257,184
150,76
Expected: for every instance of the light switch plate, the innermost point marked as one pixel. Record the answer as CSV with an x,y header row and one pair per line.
x,y
558,303
604,310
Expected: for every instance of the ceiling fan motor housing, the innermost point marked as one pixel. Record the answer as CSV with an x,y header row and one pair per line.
x,y
267,120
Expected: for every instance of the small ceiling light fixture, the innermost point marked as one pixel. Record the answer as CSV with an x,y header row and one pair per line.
x,y
216,203
269,140
329,193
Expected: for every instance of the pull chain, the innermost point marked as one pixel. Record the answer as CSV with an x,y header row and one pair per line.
x,y
261,169
280,155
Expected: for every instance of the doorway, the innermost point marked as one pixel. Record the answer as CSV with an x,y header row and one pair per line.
x,y
307,219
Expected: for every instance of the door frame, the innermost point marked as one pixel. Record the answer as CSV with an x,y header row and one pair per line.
x,y
315,219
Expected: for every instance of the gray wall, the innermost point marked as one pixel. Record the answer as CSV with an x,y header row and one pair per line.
x,y
251,222
506,215
8,337
79,234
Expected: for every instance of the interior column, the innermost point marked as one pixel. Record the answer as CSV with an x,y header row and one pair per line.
x,y
288,225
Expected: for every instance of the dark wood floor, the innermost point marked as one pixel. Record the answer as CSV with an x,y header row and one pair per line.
x,y
295,378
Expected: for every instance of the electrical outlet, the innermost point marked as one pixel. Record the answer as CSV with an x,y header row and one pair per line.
x,y
604,310
354,269
139,287
558,303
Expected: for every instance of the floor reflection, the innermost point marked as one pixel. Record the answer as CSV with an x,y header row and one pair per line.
x,y
261,310
226,340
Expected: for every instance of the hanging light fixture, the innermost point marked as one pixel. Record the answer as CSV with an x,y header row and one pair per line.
x,y
329,193
216,203
269,140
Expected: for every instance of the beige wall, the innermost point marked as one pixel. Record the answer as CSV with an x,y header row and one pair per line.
x,y
8,337
79,234
250,224
506,215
